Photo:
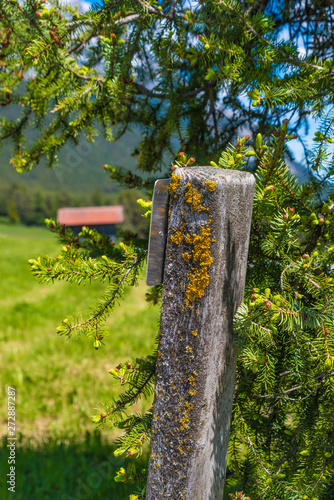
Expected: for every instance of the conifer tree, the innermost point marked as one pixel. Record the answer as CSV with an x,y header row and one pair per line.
x,y
225,82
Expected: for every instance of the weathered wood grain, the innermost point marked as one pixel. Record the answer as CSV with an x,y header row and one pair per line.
x,y
204,276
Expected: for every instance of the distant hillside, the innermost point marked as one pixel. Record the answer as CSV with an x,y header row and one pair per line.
x,y
80,168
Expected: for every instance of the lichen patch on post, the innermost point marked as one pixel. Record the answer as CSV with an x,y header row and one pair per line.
x,y
201,262
193,198
174,183
198,256
210,185
177,238
186,256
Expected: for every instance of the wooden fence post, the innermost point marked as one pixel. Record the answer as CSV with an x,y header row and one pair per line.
x,y
204,275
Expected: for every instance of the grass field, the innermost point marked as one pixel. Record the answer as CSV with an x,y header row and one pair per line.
x,y
59,384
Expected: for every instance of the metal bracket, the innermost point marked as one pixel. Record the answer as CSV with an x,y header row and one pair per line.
x,y
158,233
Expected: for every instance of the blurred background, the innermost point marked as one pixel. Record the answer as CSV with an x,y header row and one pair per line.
x,y
61,383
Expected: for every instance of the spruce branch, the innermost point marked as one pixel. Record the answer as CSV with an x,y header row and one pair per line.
x,y
102,308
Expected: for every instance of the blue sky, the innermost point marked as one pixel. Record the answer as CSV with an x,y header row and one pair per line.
x,y
83,4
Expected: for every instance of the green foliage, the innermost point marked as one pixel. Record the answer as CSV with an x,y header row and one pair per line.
x,y
145,205
284,384
87,257
238,496
136,63
181,77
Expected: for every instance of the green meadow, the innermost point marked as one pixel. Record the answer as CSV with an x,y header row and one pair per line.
x,y
60,383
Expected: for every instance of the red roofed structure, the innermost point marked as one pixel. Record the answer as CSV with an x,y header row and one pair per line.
x,y
103,219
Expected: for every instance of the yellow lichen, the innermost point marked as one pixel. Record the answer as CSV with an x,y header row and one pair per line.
x,y
174,183
201,244
193,198
199,280
199,256
186,256
199,277
178,236
184,422
188,238
189,349
192,392
194,332
210,185
191,380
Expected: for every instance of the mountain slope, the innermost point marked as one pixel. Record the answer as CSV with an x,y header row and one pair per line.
x,y
80,168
